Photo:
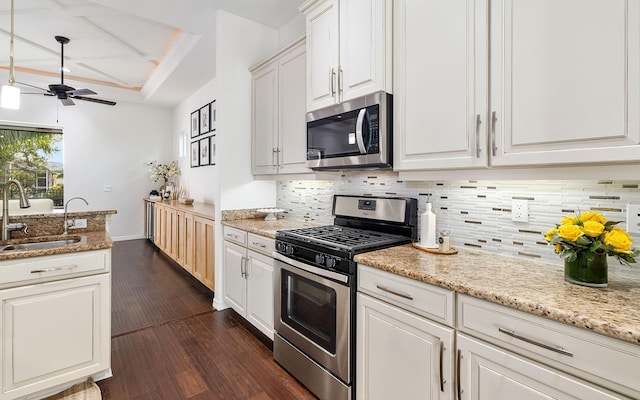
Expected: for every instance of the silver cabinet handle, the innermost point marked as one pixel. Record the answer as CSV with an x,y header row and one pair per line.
x,y
340,80
394,292
442,380
557,349
242,266
259,245
359,127
277,156
494,119
478,122
273,157
37,271
332,77
458,367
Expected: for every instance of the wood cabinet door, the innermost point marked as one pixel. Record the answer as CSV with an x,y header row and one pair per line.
x,y
260,292
565,81
265,120
54,333
400,355
158,237
204,259
490,373
365,47
188,243
292,126
172,233
440,74
322,55
235,284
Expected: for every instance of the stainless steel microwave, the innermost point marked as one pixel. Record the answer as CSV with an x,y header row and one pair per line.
x,y
353,134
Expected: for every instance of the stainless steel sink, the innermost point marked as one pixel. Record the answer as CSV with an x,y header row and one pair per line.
x,y
40,244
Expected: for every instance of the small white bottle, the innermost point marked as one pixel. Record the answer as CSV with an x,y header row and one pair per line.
x,y
428,228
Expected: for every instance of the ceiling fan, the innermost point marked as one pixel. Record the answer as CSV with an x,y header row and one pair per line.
x,y
66,93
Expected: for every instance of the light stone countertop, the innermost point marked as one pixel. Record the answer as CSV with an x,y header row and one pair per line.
x,y
528,286
88,241
267,228
204,210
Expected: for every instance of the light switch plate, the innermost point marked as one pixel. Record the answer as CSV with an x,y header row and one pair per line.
x,y
633,218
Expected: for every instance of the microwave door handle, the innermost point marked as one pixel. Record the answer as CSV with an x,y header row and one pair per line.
x,y
359,126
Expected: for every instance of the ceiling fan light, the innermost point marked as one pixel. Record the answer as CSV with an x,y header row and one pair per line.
x,y
10,97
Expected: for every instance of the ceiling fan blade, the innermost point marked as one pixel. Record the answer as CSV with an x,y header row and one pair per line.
x,y
67,102
81,92
32,86
94,100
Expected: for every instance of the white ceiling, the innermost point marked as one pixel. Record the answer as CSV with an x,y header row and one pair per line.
x,y
154,51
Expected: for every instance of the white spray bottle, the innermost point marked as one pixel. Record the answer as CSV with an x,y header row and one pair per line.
x,y
428,227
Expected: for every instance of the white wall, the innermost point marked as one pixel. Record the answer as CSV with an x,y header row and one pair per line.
x,y
105,145
291,30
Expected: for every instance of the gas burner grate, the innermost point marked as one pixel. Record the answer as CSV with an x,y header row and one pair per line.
x,y
342,236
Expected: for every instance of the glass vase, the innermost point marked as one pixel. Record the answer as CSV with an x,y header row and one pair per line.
x,y
583,272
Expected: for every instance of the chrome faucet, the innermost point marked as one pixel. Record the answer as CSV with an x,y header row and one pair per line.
x,y
66,220
24,203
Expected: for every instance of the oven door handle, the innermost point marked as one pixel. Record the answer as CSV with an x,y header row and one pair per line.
x,y
311,269
359,128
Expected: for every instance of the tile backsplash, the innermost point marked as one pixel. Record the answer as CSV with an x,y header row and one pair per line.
x,y
477,214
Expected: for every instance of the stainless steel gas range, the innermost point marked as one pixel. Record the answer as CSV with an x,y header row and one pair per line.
x,y
316,284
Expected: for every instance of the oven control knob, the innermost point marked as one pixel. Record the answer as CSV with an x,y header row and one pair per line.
x,y
288,249
320,259
330,262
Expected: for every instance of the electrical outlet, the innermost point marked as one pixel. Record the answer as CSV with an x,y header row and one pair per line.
x,y
107,188
520,210
633,218
78,223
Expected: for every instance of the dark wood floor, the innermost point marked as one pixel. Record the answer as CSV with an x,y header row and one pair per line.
x,y
170,344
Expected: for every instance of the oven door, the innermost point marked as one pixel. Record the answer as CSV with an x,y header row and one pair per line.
x,y
313,313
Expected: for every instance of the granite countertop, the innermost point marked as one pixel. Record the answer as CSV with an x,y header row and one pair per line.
x,y
88,241
528,286
267,228
204,210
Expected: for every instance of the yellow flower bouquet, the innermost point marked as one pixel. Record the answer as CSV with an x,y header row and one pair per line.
x,y
584,241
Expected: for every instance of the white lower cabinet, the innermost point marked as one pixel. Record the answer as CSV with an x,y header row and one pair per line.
x,y
248,277
54,333
488,372
401,355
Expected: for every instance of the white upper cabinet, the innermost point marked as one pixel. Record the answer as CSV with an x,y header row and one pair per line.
x,y
515,83
348,49
565,84
440,71
279,137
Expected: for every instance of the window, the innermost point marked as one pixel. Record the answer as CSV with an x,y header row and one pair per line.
x,y
33,156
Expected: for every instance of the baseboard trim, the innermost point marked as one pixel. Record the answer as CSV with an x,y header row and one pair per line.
x,y
128,237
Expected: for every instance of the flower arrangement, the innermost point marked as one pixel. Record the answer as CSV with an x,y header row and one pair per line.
x,y
588,234
157,170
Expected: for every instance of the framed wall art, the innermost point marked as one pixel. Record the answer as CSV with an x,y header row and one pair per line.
x,y
212,150
213,116
195,123
204,151
195,153
205,120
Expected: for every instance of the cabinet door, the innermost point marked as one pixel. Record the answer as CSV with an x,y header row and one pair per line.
x,y
172,233
365,47
490,373
235,285
260,292
188,244
158,237
54,333
562,90
265,119
292,143
322,55
400,355
440,56
204,261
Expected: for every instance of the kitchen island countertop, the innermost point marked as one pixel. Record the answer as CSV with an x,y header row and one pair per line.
x,y
88,241
533,287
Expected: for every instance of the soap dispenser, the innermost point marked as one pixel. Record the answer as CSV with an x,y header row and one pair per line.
x,y
428,227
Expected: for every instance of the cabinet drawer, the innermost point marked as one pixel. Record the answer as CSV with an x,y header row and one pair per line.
x,y
50,268
261,244
427,300
606,361
235,235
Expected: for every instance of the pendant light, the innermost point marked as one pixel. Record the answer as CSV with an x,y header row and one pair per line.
x,y
10,97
